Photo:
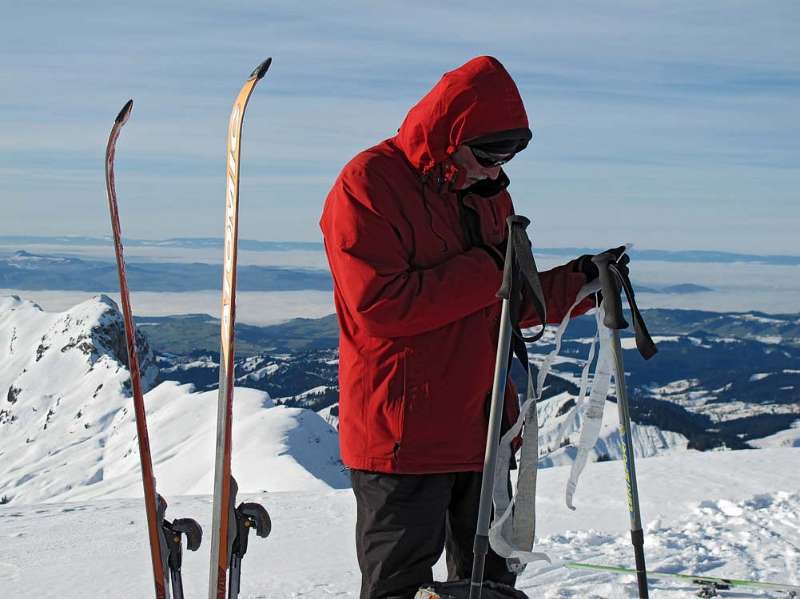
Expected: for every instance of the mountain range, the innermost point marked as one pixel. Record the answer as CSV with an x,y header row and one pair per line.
x,y
67,430
66,425
285,246
719,379
33,271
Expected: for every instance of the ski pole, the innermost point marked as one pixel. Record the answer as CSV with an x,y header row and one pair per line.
x,y
615,321
245,517
481,545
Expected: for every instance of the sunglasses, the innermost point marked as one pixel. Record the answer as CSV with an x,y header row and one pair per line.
x,y
489,159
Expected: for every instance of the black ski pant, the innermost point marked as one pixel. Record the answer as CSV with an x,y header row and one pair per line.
x,y
403,522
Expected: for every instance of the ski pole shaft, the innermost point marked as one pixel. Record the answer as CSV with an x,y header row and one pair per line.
x,y
637,535
235,577
615,321
177,585
481,546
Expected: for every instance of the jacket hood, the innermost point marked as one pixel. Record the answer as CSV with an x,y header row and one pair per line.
x,y
477,99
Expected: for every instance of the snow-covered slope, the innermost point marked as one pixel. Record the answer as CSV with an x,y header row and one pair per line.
x,y
67,429
275,448
64,382
560,430
787,438
734,514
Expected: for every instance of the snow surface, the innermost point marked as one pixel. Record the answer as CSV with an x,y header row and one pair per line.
x,y
630,342
735,514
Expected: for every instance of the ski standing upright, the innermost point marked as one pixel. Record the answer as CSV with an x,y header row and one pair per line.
x,y
165,537
231,525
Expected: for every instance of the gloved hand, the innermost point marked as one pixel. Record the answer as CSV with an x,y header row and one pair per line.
x,y
585,265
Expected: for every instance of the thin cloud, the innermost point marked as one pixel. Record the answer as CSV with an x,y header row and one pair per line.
x,y
676,107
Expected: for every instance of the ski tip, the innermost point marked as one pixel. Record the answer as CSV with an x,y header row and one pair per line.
x,y
123,115
261,69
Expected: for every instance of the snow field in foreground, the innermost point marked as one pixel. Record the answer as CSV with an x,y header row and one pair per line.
x,y
722,513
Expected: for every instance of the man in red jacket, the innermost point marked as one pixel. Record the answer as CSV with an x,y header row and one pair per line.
x,y
414,232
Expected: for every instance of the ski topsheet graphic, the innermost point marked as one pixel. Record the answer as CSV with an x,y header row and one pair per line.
x,y
165,537
230,525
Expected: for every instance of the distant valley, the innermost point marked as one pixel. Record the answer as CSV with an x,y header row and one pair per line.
x,y
719,380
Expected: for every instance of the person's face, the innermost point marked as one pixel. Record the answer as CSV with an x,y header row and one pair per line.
x,y
473,170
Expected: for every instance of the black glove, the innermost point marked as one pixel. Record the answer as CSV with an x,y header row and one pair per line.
x,y
585,265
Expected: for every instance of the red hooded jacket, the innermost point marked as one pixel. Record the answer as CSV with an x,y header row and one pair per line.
x,y
416,302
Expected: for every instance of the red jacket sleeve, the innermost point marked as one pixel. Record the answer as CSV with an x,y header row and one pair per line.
x,y
372,274
560,286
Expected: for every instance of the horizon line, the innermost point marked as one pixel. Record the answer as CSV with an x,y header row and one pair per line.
x,y
648,254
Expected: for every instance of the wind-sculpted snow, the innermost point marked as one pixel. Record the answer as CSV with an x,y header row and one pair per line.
x,y
67,428
756,539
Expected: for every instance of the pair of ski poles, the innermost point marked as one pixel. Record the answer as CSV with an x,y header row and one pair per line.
x,y
612,281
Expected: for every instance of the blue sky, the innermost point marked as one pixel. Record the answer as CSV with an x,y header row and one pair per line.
x,y
674,125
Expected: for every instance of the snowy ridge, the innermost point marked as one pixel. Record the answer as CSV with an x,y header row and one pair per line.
x,y
560,430
66,386
787,438
67,429
331,415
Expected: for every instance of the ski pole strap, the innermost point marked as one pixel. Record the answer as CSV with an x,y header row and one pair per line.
x,y
592,414
512,533
644,342
612,281
520,274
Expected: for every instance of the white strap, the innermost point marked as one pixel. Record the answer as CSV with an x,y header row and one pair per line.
x,y
582,389
593,414
512,533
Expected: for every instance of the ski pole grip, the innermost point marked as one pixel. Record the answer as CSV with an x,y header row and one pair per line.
x,y
611,292
516,226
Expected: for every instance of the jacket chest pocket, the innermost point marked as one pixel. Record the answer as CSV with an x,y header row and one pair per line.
x,y
434,231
